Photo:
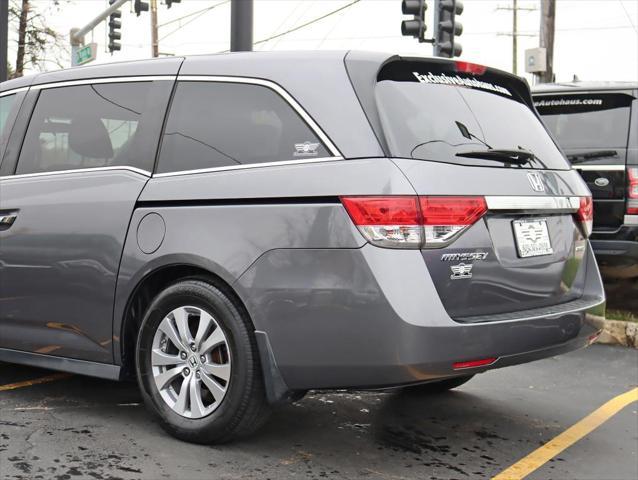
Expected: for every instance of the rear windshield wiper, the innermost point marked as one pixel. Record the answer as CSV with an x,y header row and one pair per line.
x,y
575,157
518,157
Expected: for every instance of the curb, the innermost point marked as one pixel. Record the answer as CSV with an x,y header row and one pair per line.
x,y
616,332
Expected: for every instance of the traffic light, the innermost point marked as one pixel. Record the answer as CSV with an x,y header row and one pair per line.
x,y
169,3
139,6
415,27
447,28
115,33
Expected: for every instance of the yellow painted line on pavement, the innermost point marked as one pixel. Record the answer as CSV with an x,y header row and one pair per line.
x,y
542,455
35,381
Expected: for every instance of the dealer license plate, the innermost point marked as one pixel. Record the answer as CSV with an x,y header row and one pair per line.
x,y
532,238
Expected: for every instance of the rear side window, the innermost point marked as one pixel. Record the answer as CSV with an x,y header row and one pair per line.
x,y
218,124
431,112
598,121
87,126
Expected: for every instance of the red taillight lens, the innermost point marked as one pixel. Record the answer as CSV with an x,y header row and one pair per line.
x,y
452,210
632,191
413,222
585,214
382,210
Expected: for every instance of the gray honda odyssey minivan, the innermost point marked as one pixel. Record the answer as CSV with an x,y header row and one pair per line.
x,y
235,230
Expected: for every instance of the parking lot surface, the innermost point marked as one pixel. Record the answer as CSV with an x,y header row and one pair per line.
x,y
75,427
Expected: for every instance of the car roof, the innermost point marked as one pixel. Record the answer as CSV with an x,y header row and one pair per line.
x,y
577,86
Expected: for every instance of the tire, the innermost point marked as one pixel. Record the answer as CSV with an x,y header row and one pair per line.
x,y
439,386
238,407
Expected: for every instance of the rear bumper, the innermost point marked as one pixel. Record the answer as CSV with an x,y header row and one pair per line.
x,y
345,319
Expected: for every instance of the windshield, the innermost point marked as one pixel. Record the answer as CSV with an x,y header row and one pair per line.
x,y
453,123
597,121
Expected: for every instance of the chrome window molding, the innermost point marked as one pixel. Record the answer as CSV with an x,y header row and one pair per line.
x,y
93,81
139,171
569,204
601,168
247,166
13,91
281,92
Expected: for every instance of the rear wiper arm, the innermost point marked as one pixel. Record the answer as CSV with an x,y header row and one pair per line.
x,y
518,157
591,155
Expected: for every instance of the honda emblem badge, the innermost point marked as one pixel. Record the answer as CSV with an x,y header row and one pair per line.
x,y
536,182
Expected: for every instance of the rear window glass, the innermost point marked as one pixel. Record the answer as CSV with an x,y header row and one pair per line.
x,y
218,124
451,117
587,121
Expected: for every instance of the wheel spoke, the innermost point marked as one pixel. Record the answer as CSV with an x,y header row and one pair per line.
x,y
181,320
218,370
182,399
215,388
166,377
214,339
205,322
197,406
167,328
159,358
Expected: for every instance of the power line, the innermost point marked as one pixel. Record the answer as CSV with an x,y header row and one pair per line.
x,y
197,15
303,25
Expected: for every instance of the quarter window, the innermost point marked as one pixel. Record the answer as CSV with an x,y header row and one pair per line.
x,y
87,126
6,103
218,124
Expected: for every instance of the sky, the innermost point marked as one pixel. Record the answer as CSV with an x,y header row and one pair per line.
x,y
595,39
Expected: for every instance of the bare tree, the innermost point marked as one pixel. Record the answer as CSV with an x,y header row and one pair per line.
x,y
37,42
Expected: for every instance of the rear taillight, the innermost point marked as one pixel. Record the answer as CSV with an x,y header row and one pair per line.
x,y
585,215
411,221
446,217
632,191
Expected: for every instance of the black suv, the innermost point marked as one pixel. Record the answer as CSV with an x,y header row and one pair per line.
x,y
596,124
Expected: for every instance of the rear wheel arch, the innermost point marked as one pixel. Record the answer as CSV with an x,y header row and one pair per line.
x,y
147,289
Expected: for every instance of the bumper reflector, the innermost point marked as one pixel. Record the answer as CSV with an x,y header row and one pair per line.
x,y
474,363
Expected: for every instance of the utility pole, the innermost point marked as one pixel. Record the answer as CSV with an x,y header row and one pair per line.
x,y
515,33
154,41
548,21
4,39
241,25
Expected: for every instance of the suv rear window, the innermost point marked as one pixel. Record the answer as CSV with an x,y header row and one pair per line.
x,y
587,121
428,112
6,104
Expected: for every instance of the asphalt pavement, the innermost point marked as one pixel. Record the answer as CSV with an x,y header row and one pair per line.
x,y
77,427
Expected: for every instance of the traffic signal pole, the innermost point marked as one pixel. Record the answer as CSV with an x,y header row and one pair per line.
x,y
4,39
241,25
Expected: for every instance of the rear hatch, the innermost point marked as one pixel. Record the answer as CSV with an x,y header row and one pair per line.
x,y
503,224
593,129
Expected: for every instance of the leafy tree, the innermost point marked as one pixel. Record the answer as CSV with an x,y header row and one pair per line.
x,y
37,43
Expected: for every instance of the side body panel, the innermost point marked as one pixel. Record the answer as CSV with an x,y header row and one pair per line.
x,y
225,221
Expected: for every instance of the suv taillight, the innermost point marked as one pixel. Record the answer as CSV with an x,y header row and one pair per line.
x,y
585,215
411,221
632,191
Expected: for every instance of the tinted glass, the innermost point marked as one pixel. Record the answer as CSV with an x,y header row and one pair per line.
x,y
597,121
86,126
444,117
6,103
223,124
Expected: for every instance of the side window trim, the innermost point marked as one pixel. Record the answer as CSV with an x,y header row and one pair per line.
x,y
335,154
18,132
